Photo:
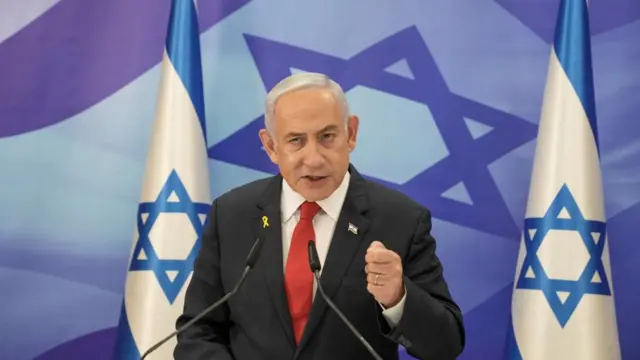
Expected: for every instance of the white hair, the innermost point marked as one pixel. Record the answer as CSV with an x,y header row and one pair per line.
x,y
303,81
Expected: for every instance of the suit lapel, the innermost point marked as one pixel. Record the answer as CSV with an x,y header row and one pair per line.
x,y
273,269
348,235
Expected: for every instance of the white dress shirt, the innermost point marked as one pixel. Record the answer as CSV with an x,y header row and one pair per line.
x,y
324,224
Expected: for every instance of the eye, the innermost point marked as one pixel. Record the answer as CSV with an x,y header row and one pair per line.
x,y
328,136
294,140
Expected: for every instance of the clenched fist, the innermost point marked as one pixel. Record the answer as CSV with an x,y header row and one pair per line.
x,y
384,275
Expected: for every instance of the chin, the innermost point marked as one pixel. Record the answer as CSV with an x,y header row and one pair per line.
x,y
316,194
316,190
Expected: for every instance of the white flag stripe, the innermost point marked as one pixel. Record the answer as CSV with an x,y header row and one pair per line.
x,y
178,141
567,146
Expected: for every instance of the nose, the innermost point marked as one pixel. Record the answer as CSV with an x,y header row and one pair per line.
x,y
313,156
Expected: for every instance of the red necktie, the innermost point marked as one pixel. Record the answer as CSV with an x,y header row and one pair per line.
x,y
298,278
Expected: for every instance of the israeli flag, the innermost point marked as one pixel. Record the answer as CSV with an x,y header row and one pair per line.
x,y
175,199
563,306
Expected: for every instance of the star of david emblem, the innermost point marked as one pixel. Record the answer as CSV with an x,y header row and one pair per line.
x,y
173,198
469,157
564,214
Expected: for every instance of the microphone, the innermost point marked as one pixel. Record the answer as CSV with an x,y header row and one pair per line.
x,y
314,263
251,260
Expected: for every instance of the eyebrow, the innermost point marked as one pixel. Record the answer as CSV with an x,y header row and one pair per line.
x,y
293,134
328,128
325,129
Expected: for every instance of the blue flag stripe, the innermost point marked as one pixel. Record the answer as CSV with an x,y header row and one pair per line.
x,y
573,49
183,49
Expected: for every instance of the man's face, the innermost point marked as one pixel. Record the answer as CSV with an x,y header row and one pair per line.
x,y
310,142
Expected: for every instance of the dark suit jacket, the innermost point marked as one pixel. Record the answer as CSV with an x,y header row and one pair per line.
x,y
255,324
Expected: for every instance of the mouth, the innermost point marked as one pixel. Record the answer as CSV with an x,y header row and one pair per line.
x,y
314,179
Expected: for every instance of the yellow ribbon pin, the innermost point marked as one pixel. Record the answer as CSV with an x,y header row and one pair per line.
x,y
265,222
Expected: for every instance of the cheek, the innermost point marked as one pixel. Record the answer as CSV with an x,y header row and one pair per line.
x,y
289,158
338,154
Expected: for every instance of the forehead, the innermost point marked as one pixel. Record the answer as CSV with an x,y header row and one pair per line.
x,y
307,105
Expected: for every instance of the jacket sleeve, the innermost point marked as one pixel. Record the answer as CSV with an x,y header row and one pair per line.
x,y
208,337
431,325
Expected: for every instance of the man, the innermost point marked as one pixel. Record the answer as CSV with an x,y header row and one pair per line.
x,y
378,258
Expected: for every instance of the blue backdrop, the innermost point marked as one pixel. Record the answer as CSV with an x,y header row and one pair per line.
x,y
448,92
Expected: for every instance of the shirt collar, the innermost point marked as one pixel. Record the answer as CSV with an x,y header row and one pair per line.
x,y
291,200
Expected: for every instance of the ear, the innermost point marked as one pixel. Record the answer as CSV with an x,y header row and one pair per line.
x,y
269,145
352,131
